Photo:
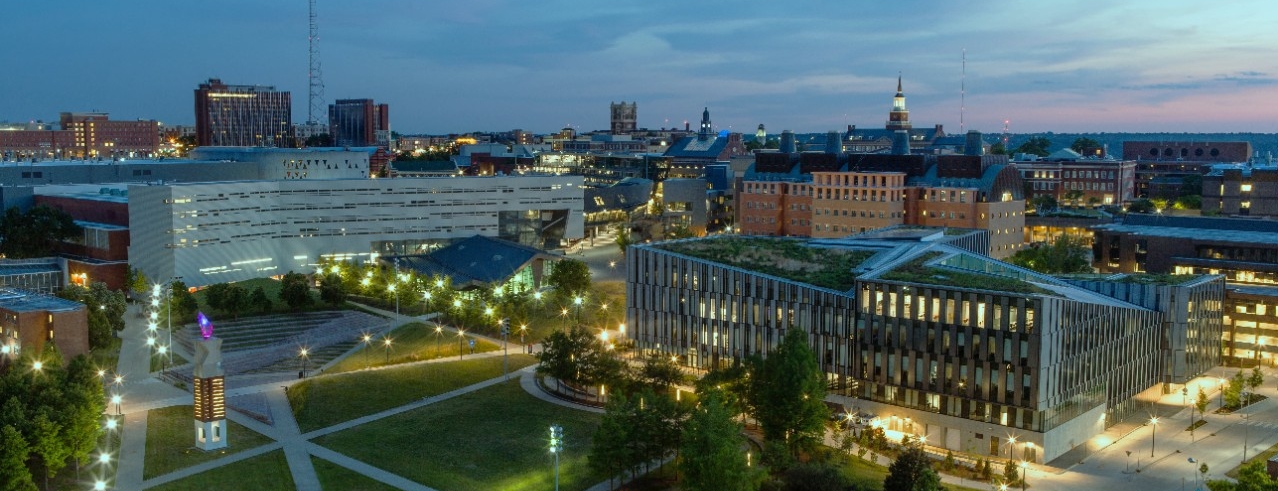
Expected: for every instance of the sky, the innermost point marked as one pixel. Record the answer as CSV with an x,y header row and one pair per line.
x,y
493,65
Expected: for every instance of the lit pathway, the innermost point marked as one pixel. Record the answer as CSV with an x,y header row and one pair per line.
x,y
132,451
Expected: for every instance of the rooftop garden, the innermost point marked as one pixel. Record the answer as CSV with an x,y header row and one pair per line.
x,y
786,258
916,271
1158,279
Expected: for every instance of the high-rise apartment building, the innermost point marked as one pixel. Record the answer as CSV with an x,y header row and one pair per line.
x,y
242,115
359,123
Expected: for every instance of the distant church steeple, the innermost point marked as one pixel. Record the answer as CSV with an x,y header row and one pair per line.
x,y
899,118
705,132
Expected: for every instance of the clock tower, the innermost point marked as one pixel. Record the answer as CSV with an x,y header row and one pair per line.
x,y
899,118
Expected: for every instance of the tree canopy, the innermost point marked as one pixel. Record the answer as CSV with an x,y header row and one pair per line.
x,y
788,392
714,456
1084,145
33,233
911,471
1065,255
48,417
1037,145
106,310
569,277
295,291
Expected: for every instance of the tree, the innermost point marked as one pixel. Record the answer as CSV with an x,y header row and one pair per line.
x,y
569,277
331,291
1011,473
1191,202
610,449
734,383
215,295
183,304
624,240
563,354
998,148
135,281
1251,477
1233,391
1065,255
295,292
1140,206
659,372
320,140
788,388
32,234
1191,185
1084,145
1256,379
105,310
1037,145
260,302
713,457
912,471
13,456
1073,197
1043,203
236,301
1202,401
49,445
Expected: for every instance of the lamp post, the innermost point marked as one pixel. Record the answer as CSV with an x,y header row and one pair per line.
x,y
577,301
115,399
1153,435
387,342
1221,396
304,358
170,316
556,446
523,329
1024,474
461,336
439,333
368,340
1246,397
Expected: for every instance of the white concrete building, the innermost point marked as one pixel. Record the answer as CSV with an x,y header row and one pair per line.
x,y
229,231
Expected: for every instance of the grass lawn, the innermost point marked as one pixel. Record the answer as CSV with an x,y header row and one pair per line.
x,y
170,441
331,399
411,342
333,476
494,438
869,476
1262,456
266,472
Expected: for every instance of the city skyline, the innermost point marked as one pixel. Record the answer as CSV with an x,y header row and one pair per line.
x,y
494,65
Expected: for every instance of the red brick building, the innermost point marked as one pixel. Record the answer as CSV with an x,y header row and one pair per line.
x,y
29,321
97,136
102,252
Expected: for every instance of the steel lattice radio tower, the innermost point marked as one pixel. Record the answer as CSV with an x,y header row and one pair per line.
x,y
315,97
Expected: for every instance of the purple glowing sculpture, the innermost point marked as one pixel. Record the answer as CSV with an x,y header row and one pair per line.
x,y
206,327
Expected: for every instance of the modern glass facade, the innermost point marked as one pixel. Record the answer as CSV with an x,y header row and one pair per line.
x,y
959,342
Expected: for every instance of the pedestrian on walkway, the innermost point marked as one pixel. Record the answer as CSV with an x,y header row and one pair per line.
x,y
472,346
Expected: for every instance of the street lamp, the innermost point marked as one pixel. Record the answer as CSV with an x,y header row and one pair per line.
x,y
461,336
368,340
115,399
387,343
303,354
523,329
1153,434
556,446
1221,396
577,301
439,333
1024,474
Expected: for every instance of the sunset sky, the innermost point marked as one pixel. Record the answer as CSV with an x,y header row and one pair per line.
x,y
447,66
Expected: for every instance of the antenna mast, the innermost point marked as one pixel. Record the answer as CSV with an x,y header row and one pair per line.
x,y
963,93
315,96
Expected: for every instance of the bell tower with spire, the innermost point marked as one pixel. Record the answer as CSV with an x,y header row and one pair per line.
x,y
899,118
706,131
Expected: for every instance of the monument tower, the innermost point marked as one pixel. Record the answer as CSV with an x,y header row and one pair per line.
x,y
210,397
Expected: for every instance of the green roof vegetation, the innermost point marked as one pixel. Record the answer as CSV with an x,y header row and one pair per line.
x,y
1158,279
786,258
916,271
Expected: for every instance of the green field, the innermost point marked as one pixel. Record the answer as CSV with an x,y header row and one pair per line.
x,y
170,441
491,439
266,472
411,342
333,476
331,399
